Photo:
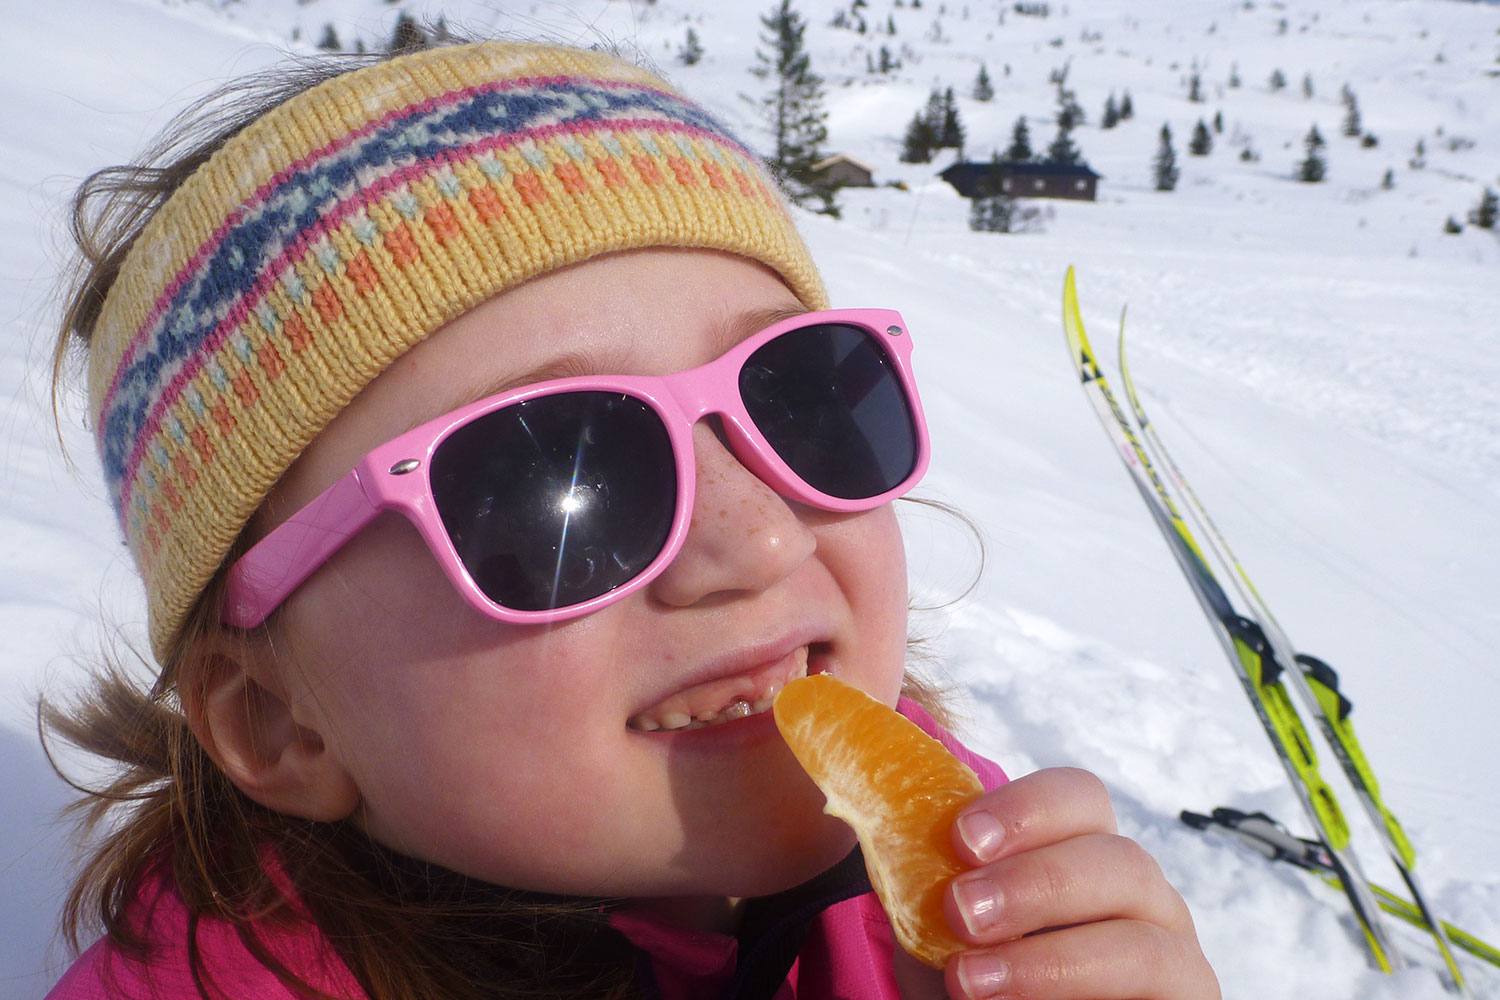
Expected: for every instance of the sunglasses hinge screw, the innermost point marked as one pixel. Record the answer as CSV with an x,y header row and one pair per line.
x,y
404,466
894,331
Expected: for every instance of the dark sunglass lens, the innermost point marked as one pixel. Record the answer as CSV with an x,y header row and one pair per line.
x,y
829,401
559,499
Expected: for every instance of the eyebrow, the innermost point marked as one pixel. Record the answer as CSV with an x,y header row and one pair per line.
x,y
728,330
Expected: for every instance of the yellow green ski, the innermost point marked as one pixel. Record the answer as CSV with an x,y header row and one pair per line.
x,y
1314,682
1243,641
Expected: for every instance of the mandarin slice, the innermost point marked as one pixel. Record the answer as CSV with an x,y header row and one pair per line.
x,y
899,789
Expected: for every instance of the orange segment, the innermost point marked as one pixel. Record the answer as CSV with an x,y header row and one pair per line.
x,y
899,789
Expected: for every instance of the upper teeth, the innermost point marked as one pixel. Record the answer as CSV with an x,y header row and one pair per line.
x,y
716,702
681,720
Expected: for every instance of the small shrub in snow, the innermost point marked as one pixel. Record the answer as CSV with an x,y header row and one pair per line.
x,y
1484,213
692,49
999,214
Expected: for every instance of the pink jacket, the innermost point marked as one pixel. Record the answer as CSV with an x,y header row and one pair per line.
x,y
829,938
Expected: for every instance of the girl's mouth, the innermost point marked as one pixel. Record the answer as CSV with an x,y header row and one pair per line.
x,y
726,699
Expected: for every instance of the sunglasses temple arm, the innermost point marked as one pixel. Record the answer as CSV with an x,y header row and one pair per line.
x,y
279,563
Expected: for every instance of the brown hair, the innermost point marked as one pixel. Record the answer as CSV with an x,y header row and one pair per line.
x,y
404,931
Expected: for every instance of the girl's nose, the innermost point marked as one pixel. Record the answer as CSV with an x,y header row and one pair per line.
x,y
743,536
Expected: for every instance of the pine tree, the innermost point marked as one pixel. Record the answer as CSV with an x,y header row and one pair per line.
x,y
1062,149
1020,142
1127,110
984,90
933,115
1352,127
1111,116
1313,167
1219,122
692,49
888,62
794,107
330,40
1195,88
951,132
408,36
919,142
1234,75
1389,180
1277,81
1164,167
1307,86
1202,142
1484,213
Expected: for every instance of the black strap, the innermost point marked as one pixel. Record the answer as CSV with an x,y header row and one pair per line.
x,y
773,929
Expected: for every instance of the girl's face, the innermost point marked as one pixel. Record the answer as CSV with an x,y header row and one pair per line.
x,y
523,755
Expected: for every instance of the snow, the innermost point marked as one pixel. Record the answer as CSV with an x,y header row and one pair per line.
x,y
1320,358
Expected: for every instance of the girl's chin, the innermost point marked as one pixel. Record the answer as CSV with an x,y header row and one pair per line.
x,y
779,870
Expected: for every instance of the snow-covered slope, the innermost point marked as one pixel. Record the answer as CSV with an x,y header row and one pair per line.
x,y
1321,358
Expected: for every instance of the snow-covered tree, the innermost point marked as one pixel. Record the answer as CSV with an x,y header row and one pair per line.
x,y
1195,88
1277,81
1127,110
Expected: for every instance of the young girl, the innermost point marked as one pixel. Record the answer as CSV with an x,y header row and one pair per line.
x,y
491,457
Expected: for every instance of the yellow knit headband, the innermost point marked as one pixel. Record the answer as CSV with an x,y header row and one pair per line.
x,y
350,222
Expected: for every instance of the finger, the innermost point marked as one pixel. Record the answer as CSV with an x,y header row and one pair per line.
x,y
1114,960
1085,879
1040,808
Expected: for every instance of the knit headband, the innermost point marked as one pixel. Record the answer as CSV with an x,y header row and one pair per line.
x,y
350,222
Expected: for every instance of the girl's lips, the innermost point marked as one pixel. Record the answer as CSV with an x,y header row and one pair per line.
x,y
723,699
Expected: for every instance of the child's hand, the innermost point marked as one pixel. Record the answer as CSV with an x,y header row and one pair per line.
x,y
1058,905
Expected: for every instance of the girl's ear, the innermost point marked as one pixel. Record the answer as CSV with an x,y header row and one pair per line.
x,y
237,708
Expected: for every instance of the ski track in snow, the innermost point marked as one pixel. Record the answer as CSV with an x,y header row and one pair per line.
x,y
1319,358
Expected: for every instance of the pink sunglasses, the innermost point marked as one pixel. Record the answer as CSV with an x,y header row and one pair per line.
x,y
553,500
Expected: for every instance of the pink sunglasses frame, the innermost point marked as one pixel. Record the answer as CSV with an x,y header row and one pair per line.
x,y
394,476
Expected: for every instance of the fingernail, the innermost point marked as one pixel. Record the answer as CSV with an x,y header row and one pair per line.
x,y
978,901
982,832
981,975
